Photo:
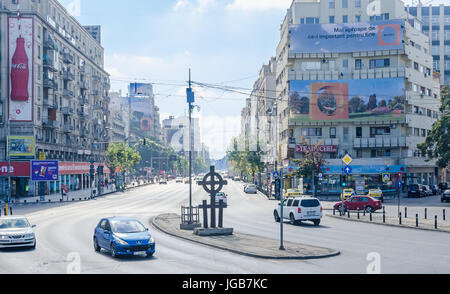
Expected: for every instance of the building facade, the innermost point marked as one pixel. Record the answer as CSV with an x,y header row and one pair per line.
x,y
374,100
65,107
436,25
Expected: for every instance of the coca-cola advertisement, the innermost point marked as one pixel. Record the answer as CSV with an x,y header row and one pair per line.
x,y
20,57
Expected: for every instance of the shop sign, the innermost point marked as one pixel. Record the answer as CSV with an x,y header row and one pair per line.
x,y
312,148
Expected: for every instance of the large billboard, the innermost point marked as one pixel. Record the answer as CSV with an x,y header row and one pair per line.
x,y
45,171
141,89
20,147
20,61
346,37
141,116
343,100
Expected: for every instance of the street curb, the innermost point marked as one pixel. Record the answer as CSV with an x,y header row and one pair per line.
x,y
388,225
336,253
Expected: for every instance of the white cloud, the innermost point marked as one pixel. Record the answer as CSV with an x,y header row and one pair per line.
x,y
197,6
252,5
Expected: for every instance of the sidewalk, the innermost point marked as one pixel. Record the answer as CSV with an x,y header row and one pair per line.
x,y
410,222
248,245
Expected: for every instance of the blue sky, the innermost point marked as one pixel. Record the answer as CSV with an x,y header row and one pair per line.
x,y
157,41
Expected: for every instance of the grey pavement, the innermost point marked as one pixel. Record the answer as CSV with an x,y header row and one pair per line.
x,y
243,243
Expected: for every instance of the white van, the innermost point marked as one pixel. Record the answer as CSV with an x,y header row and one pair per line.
x,y
298,209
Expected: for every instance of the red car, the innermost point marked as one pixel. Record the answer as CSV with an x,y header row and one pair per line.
x,y
360,202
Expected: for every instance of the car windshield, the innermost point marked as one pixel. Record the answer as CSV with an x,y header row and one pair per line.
x,y
127,227
19,223
310,203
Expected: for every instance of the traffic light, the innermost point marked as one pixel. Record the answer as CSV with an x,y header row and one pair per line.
x,y
344,181
92,171
277,188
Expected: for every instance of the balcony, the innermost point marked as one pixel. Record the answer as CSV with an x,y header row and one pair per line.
x,y
68,129
67,111
68,93
68,58
68,76
84,133
84,86
49,83
50,104
50,65
49,123
380,142
95,92
84,100
82,69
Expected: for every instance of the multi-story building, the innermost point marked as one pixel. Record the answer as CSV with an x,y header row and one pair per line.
x,y
436,25
356,77
65,107
119,118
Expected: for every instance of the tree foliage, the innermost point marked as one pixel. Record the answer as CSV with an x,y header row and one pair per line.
x,y
244,160
313,161
437,144
122,158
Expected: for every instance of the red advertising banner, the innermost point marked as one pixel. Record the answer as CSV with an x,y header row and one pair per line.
x,y
20,61
17,169
322,149
77,168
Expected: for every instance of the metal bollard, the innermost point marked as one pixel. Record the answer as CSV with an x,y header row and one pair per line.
x,y
435,222
400,219
10,210
444,214
334,211
406,212
417,220
358,213
384,216
371,216
364,212
348,212
425,213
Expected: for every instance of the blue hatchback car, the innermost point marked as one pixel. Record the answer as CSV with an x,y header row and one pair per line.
x,y
123,236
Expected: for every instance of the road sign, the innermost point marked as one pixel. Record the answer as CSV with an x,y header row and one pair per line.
x,y
400,184
268,176
348,170
276,175
386,178
347,159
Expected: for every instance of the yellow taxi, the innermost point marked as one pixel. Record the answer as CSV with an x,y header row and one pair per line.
x,y
347,193
293,193
376,193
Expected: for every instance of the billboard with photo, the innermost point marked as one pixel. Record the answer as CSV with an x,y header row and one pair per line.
x,y
346,37
21,147
342,100
141,112
141,89
44,171
20,65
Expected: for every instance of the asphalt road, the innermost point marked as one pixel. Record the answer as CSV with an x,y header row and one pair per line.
x,y
64,240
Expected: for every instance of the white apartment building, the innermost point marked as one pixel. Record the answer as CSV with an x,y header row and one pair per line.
x,y
378,142
66,107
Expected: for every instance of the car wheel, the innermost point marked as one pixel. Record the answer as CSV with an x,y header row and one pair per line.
x,y
97,248
276,216
113,251
369,209
292,219
316,222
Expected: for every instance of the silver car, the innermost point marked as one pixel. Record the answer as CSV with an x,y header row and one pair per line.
x,y
16,231
251,189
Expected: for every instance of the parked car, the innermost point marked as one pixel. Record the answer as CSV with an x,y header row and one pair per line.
x,y
299,209
363,203
435,189
123,236
179,180
222,196
416,190
251,189
347,193
445,196
163,182
16,231
427,190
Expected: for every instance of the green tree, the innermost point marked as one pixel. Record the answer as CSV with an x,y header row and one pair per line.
x,y
122,158
437,144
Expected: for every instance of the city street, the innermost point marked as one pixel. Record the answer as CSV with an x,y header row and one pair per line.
x,y
64,236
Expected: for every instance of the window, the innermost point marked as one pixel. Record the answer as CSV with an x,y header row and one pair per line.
x,y
379,131
358,18
434,50
331,4
333,133
289,202
359,153
344,3
332,19
416,66
310,20
358,3
296,203
378,63
358,132
358,64
373,153
388,153
346,134
424,133
345,19
345,63
312,132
